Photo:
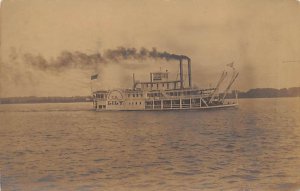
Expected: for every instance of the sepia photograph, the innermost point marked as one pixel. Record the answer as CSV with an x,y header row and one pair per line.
x,y
149,95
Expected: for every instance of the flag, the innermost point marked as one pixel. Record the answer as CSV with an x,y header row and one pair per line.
x,y
230,65
94,77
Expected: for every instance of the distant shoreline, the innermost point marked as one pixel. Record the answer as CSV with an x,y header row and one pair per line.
x,y
33,99
252,93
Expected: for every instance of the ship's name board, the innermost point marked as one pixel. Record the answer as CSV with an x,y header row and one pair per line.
x,y
115,102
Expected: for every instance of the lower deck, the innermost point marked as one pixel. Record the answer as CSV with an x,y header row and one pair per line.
x,y
162,104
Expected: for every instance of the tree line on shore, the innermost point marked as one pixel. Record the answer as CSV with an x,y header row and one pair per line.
x,y
33,99
268,93
252,93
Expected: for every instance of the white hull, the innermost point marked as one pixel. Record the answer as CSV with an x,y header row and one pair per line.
x,y
225,106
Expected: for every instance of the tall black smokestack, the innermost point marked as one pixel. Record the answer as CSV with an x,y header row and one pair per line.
x,y
181,74
190,72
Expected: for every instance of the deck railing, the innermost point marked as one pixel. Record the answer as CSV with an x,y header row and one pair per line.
x,y
175,103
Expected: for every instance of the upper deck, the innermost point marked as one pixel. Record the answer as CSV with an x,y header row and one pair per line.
x,y
160,86
160,80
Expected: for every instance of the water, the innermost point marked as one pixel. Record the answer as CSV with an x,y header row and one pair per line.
x,y
69,147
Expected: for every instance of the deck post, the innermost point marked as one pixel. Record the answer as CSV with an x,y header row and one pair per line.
x,y
200,102
190,102
171,104
180,103
161,104
153,104
236,97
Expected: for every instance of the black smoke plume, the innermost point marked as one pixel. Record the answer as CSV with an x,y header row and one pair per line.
x,y
68,60
65,60
122,53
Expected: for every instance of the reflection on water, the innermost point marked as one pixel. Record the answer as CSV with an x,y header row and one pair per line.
x,y
69,147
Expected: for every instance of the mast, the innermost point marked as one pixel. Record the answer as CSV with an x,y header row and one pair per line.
x,y
223,76
234,76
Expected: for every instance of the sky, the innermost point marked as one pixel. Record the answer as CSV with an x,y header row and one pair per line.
x,y
261,37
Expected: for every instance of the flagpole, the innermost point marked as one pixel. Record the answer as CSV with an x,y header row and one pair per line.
x,y
92,94
91,87
93,77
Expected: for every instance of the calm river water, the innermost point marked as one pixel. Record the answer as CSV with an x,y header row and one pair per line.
x,y
53,147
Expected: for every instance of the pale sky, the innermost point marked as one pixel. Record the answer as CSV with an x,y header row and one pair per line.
x,y
262,37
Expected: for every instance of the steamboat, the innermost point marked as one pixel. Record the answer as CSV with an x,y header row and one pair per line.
x,y
160,93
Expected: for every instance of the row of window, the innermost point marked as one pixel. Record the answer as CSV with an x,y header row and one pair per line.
x,y
171,94
135,95
169,102
154,94
152,85
101,96
180,93
102,106
135,103
129,103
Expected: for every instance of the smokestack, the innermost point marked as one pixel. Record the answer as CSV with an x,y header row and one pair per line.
x,y
133,79
190,72
181,74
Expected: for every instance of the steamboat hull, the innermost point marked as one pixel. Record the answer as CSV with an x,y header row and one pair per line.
x,y
117,100
227,106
